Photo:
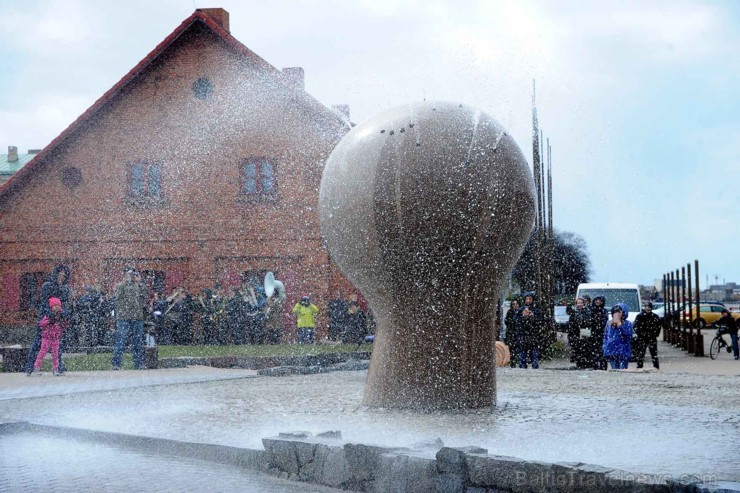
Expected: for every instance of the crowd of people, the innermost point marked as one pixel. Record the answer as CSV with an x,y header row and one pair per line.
x,y
137,315
595,338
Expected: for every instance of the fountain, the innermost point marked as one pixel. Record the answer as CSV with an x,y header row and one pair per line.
x,y
426,208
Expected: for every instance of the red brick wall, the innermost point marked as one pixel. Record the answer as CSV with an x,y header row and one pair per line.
x,y
204,228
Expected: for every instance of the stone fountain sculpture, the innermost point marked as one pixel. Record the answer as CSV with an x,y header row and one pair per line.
x,y
426,208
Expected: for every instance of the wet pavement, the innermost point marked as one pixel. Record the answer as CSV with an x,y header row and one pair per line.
x,y
32,462
673,422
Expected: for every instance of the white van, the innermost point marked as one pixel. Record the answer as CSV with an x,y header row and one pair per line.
x,y
614,292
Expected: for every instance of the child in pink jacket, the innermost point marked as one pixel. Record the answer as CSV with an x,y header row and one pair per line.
x,y
52,333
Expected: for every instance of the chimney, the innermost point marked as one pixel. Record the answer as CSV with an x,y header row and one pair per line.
x,y
12,154
295,77
219,15
342,109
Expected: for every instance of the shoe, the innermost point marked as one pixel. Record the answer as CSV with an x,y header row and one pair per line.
x,y
116,368
58,373
38,373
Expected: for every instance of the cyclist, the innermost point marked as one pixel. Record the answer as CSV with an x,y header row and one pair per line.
x,y
727,325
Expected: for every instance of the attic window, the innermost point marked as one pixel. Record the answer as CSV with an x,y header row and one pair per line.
x,y
202,88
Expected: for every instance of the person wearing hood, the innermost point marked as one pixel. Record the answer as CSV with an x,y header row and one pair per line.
x,y
618,336
56,286
305,313
647,328
529,338
599,319
580,335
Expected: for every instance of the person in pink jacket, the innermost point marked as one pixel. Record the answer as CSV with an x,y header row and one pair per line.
x,y
52,333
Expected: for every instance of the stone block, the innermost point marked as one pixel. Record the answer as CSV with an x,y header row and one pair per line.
x,y
363,460
281,454
405,473
449,483
295,435
332,434
493,471
333,467
591,478
452,461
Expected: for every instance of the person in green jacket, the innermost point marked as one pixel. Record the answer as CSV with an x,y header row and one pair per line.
x,y
305,312
130,303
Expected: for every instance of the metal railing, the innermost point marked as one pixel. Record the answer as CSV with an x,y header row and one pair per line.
x,y
680,327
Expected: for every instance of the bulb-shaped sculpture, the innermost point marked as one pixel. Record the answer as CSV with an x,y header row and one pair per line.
x,y
426,208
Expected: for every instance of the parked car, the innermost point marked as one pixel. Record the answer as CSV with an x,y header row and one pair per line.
x,y
709,312
561,318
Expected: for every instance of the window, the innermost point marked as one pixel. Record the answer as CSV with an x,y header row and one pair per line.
x,y
717,309
145,180
258,177
31,290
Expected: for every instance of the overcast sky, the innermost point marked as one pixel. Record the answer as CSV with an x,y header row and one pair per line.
x,y
639,99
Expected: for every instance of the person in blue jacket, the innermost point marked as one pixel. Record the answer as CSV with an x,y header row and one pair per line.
x,y
618,335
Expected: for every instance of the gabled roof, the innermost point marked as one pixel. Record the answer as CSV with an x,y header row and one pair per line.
x,y
197,16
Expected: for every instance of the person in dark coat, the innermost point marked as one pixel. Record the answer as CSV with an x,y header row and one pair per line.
x,y
647,328
728,325
159,307
256,305
510,335
529,340
87,312
207,308
354,325
56,286
337,310
580,336
599,318
236,316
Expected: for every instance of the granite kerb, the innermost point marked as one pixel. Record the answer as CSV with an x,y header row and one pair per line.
x,y
326,459
264,362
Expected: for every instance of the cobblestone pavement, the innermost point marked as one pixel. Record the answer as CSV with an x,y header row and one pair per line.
x,y
651,422
33,463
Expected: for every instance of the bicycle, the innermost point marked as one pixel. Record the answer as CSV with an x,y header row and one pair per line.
x,y
715,348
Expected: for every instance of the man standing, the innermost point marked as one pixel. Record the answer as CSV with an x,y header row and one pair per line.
x,y
599,319
337,310
130,303
55,287
647,327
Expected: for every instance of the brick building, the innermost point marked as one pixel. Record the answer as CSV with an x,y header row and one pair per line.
x,y
201,166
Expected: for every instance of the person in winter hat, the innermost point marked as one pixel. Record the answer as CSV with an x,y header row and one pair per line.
x,y
52,328
647,328
618,338
529,325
